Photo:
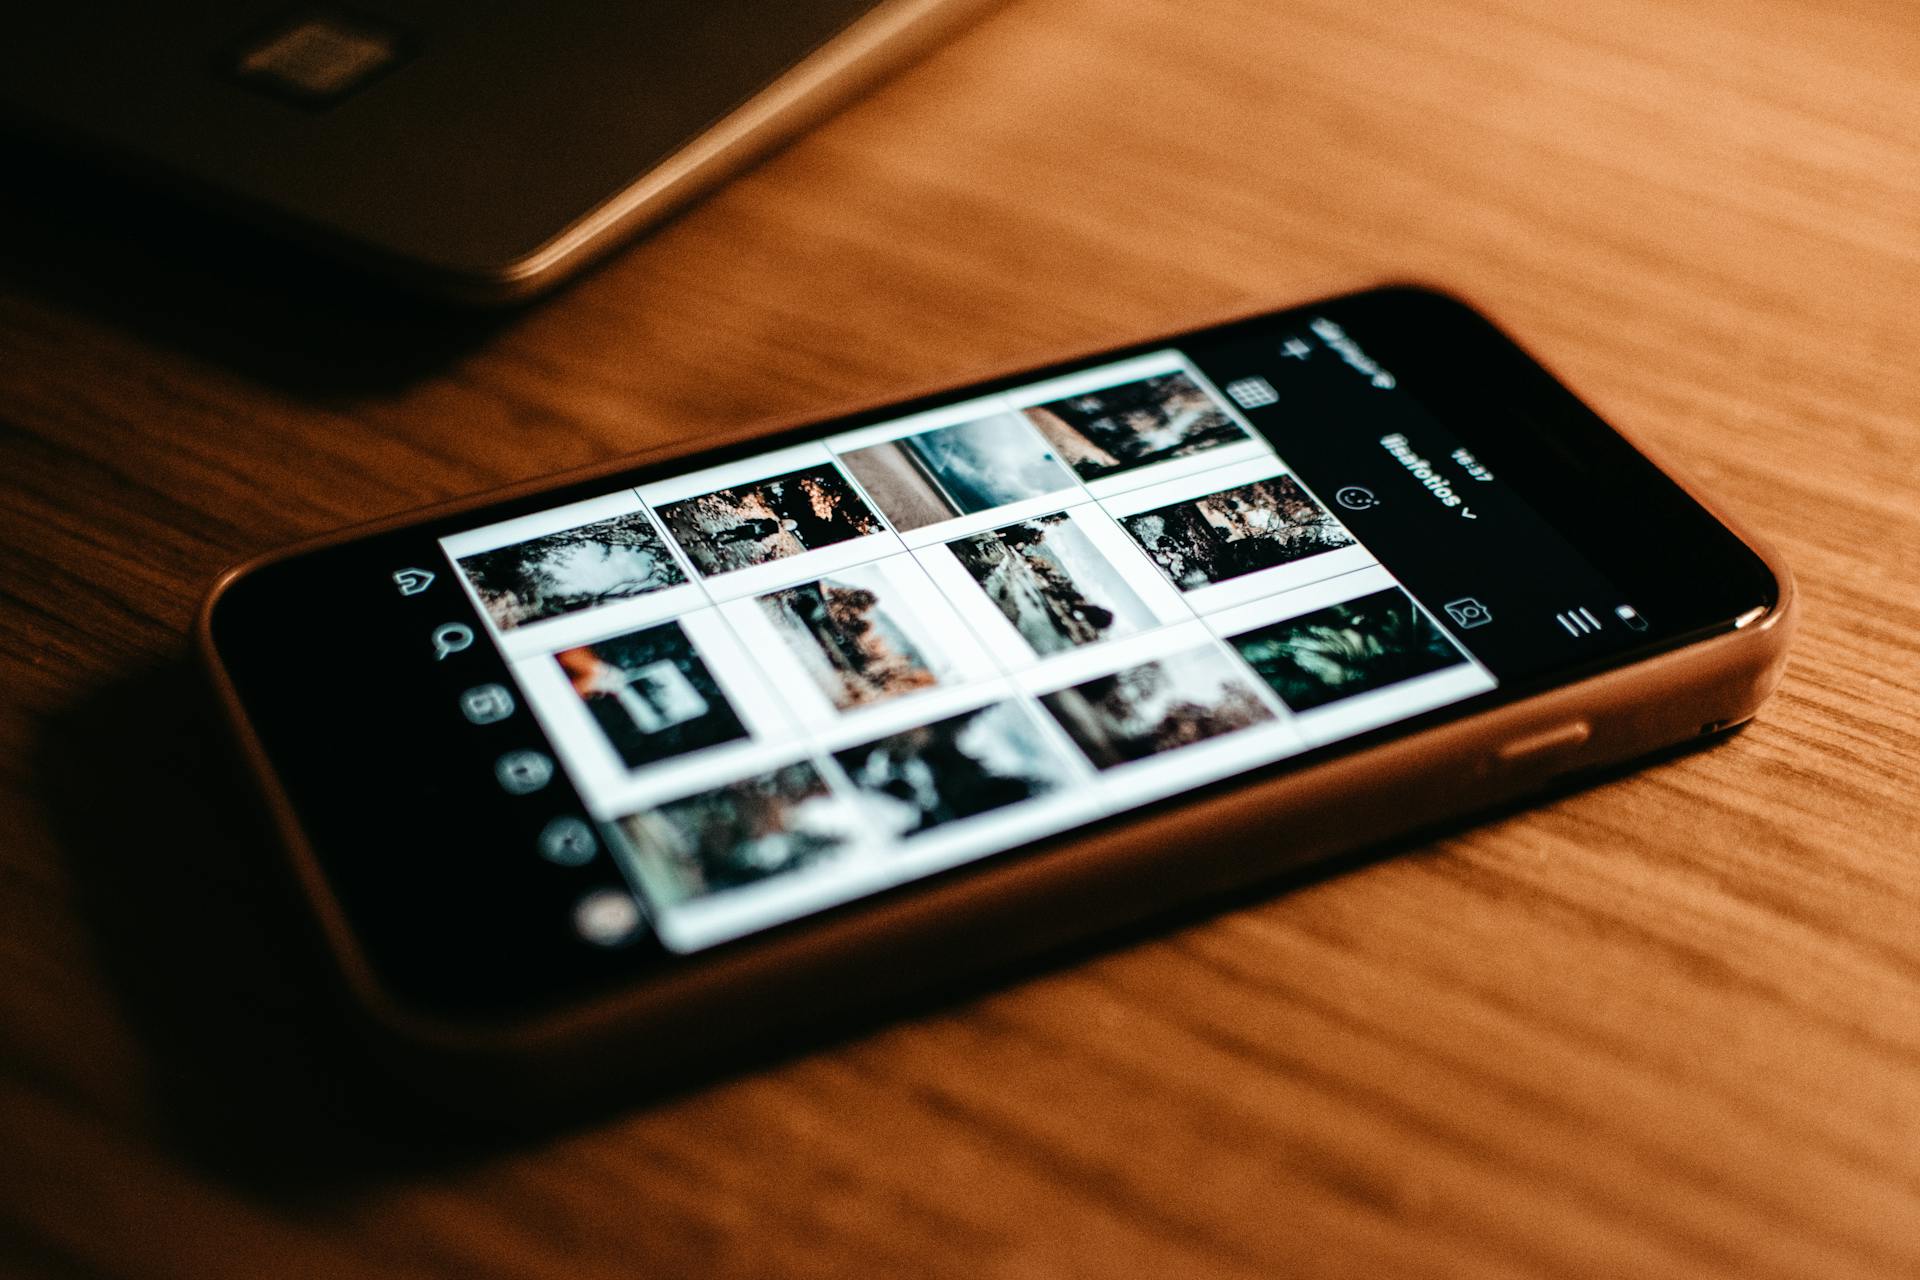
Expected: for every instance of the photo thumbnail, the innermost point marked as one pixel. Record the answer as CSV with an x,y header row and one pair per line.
x,y
651,694
738,834
769,519
856,636
1052,583
954,768
1135,424
575,569
1158,706
1348,648
953,471
1236,531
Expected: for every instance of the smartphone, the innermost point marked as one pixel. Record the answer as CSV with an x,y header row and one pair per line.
x,y
671,759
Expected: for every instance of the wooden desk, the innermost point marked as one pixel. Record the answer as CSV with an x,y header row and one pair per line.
x,y
1666,1027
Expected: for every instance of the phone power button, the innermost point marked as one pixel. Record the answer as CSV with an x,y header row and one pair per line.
x,y
1539,747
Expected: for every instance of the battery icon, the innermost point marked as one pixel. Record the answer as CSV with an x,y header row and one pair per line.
x,y
1631,616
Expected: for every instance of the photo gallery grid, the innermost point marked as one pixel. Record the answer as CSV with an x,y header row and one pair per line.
x,y
795,679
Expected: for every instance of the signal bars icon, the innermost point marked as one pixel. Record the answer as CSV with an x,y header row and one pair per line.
x,y
1578,622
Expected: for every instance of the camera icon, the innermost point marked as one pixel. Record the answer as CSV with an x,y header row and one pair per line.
x,y
1468,613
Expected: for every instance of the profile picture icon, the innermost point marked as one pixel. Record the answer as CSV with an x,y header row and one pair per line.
x,y
1468,613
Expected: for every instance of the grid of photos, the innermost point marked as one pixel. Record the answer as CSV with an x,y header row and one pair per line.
x,y
787,682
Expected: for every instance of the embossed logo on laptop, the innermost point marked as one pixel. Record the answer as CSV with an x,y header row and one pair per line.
x,y
317,58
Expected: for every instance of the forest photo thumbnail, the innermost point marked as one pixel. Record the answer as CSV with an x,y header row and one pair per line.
x,y
1345,649
957,470
1135,424
651,694
738,834
1158,706
1236,531
575,569
769,519
955,768
1049,580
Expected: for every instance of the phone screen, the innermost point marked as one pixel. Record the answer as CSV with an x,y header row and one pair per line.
x,y
819,671
550,743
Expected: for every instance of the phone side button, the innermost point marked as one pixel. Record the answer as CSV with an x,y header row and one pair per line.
x,y
1538,746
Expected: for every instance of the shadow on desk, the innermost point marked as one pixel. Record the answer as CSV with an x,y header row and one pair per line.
x,y
260,1078
188,279
253,1071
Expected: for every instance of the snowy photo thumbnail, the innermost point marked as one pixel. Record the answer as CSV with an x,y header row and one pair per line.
x,y
956,768
572,570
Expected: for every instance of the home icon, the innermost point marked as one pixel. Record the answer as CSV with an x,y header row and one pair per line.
x,y
413,581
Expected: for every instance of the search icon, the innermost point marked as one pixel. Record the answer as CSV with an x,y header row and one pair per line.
x,y
451,638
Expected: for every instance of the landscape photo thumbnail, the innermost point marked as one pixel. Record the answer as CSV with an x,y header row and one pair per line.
x,y
1236,531
1049,580
957,470
739,834
769,519
855,635
1136,424
1158,706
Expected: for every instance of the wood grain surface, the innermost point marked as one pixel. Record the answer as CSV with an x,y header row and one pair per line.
x,y
1668,1026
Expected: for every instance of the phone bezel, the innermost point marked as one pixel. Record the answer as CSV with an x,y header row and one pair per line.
x,y
1453,335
